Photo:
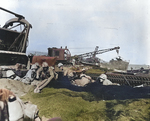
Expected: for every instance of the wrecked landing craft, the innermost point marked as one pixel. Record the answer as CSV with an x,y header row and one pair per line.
x,y
91,59
13,40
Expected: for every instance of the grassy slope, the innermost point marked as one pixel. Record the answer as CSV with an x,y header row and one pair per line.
x,y
82,106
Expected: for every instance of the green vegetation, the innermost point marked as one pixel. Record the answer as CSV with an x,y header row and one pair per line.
x,y
98,70
95,72
83,106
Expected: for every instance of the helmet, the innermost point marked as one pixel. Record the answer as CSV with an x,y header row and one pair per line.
x,y
44,64
83,69
9,73
33,66
60,64
103,76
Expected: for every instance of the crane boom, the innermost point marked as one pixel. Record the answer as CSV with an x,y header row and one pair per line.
x,y
17,15
90,54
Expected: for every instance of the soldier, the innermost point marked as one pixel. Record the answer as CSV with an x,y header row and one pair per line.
x,y
83,79
47,73
67,71
60,71
60,66
30,75
105,81
42,71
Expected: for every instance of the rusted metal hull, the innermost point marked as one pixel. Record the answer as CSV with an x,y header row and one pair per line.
x,y
14,40
116,64
7,38
131,80
40,59
126,79
11,58
63,55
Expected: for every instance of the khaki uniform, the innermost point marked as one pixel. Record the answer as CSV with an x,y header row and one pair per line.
x,y
84,79
51,75
68,72
107,82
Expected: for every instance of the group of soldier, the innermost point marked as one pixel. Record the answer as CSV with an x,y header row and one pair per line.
x,y
42,75
12,108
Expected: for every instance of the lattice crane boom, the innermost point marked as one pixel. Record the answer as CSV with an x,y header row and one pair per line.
x,y
91,54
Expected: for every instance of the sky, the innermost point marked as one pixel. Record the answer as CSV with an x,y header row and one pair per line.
x,y
83,25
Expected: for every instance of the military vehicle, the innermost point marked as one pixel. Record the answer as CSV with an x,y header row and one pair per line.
x,y
91,59
14,40
63,55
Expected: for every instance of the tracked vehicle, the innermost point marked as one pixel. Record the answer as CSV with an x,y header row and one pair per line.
x,y
14,40
91,59
63,55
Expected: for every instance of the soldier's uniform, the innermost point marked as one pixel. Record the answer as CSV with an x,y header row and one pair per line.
x,y
104,80
48,73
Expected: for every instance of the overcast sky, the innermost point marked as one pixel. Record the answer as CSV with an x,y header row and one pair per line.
x,y
83,25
